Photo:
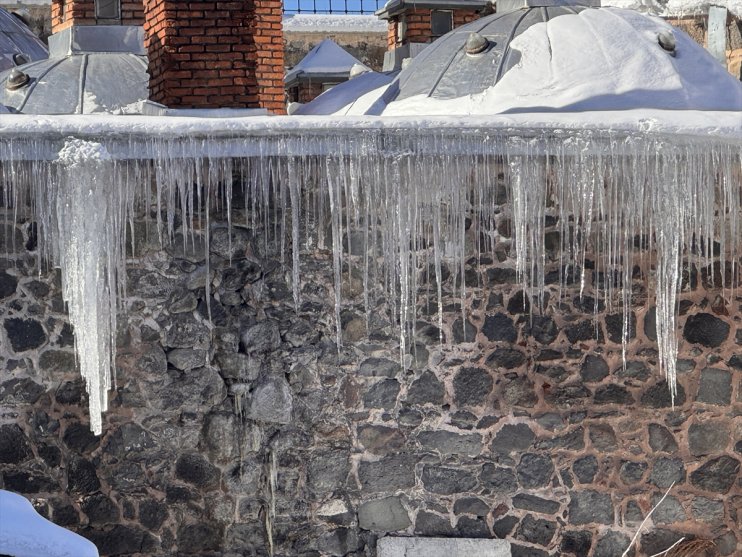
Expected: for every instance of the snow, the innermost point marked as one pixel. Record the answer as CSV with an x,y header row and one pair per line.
x,y
325,58
598,60
334,23
351,95
676,8
25,533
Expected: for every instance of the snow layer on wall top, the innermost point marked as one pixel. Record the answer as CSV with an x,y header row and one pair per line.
x,y
334,23
676,8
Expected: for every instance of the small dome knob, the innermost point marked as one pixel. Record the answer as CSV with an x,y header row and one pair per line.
x,y
476,44
16,80
667,41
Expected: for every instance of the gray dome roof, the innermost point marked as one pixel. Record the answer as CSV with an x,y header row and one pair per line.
x,y
92,69
17,38
444,70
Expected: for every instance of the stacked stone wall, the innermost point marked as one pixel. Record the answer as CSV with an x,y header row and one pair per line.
x,y
248,430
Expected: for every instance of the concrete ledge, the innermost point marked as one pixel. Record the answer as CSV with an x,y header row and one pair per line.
x,y
442,547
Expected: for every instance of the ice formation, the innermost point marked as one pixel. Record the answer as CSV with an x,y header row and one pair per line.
x,y
25,533
419,194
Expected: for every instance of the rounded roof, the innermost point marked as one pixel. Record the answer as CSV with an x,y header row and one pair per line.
x,y
559,58
91,70
16,38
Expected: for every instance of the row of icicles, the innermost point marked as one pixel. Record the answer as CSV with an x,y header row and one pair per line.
x,y
418,199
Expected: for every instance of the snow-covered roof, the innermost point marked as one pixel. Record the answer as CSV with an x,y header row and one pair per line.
x,y
326,60
676,8
17,39
333,23
559,59
91,69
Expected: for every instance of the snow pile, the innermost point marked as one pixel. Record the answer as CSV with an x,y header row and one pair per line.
x,y
597,60
334,23
326,58
676,8
25,533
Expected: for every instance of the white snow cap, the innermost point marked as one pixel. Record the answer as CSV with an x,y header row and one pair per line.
x,y
334,23
327,58
603,59
25,533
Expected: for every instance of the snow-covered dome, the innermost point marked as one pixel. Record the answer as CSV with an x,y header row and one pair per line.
x,y
551,58
18,44
91,69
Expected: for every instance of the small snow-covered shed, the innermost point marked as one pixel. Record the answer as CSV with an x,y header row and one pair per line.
x,y
326,65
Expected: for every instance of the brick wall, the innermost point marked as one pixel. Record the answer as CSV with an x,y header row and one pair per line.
x,y
66,13
419,28
215,54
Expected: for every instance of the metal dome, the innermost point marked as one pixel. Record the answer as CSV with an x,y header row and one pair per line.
x,y
444,70
18,44
91,69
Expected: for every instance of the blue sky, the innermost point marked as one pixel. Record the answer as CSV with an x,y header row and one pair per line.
x,y
331,6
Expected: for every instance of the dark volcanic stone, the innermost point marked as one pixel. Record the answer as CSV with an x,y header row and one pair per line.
x,y
498,479
536,504
661,440
658,540
382,394
388,474
471,505
450,443
517,550
50,454
594,369
543,329
632,472
70,392
585,469
715,387
186,332
472,385
666,471
501,275
567,395
426,389
536,530
80,439
262,337
584,331
380,439
195,469
463,331
520,391
708,438
705,329
513,437
468,527
603,437
507,358
21,390
128,441
499,327
8,284
24,334
198,538
431,524
658,396
383,515
81,476
504,526
29,482
589,506
534,470
650,324
572,441
14,445
519,303
611,544
327,470
65,514
633,370
100,509
576,542
717,475
447,481
120,540
669,511
614,327
378,367
612,394
152,514
58,361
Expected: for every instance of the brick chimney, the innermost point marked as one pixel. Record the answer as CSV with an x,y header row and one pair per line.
x,y
211,54
66,13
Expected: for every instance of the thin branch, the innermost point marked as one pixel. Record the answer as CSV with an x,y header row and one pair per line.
x,y
636,535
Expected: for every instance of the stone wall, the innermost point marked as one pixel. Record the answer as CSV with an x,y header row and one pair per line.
x,y
250,430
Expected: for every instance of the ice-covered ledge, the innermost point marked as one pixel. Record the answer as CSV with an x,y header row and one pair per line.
x,y
442,547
